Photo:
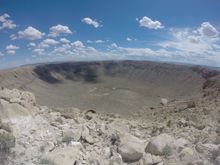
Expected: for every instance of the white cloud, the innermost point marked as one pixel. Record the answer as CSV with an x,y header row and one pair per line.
x,y
78,44
11,52
114,45
138,51
57,30
4,17
197,41
72,51
8,25
149,23
31,44
198,45
184,40
99,41
64,41
128,39
11,47
39,51
30,33
43,46
208,30
194,39
123,51
92,22
50,41
13,37
6,22
47,43
96,41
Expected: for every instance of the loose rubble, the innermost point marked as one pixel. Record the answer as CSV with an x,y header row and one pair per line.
x,y
164,135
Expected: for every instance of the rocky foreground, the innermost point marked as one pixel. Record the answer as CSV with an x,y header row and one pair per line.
x,y
173,133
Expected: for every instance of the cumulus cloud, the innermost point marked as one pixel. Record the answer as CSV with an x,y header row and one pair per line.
x,y
78,44
6,23
42,45
50,41
114,45
30,33
92,22
194,45
197,41
47,43
58,30
4,17
128,39
39,51
149,23
11,49
208,30
64,41
194,39
71,51
186,41
11,52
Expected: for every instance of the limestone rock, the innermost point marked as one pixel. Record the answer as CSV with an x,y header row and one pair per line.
x,y
131,148
67,155
156,159
207,149
188,156
116,159
164,101
180,144
157,144
147,159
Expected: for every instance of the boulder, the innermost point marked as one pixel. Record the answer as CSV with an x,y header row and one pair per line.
x,y
157,144
188,156
67,155
164,101
156,159
116,159
180,144
86,135
209,150
147,159
130,148
119,126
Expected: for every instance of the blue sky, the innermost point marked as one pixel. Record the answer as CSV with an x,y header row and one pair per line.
x,y
34,31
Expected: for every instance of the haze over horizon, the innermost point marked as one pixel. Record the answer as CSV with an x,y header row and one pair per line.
x,y
183,32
